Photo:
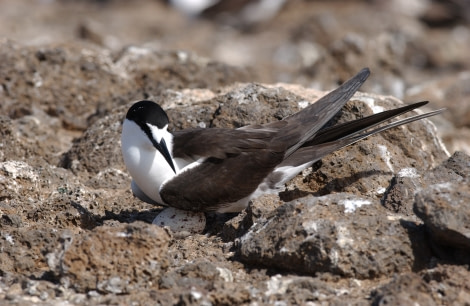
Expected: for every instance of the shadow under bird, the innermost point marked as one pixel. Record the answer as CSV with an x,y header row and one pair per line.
x,y
221,170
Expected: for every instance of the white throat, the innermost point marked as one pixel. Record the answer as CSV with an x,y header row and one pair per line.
x,y
159,134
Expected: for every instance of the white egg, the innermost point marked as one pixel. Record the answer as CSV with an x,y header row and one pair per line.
x,y
181,220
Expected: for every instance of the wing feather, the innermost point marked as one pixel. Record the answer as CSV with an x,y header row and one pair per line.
x,y
216,181
219,143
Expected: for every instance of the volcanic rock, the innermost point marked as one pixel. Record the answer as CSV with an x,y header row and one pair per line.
x,y
72,232
112,259
341,234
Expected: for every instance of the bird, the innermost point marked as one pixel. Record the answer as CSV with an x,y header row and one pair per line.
x,y
230,11
221,170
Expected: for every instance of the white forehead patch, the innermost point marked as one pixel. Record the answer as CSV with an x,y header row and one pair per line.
x,y
157,133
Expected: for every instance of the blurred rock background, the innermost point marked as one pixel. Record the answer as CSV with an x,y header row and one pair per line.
x,y
382,222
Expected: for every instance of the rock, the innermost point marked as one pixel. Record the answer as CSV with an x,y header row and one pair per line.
x,y
443,13
121,259
406,289
297,290
449,284
442,285
199,275
444,208
459,164
23,249
67,78
29,194
193,280
400,195
73,74
440,198
260,208
14,291
74,82
250,104
450,92
13,147
84,75
342,234
98,149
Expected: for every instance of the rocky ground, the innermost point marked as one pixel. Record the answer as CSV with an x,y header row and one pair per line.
x,y
385,221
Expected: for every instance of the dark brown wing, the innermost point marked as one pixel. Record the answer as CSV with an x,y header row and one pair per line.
x,y
217,182
220,143
236,162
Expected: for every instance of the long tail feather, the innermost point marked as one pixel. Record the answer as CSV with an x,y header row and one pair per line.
x,y
345,129
316,152
316,115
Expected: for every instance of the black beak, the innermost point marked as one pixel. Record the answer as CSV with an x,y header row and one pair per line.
x,y
162,148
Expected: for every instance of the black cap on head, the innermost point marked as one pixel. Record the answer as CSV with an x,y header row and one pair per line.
x,y
148,112
145,111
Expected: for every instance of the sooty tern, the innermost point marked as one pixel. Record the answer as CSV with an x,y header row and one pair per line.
x,y
221,170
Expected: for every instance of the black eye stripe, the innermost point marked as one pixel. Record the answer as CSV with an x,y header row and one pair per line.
x,y
147,131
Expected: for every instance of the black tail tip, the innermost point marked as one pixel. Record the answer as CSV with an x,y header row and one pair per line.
x,y
365,72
